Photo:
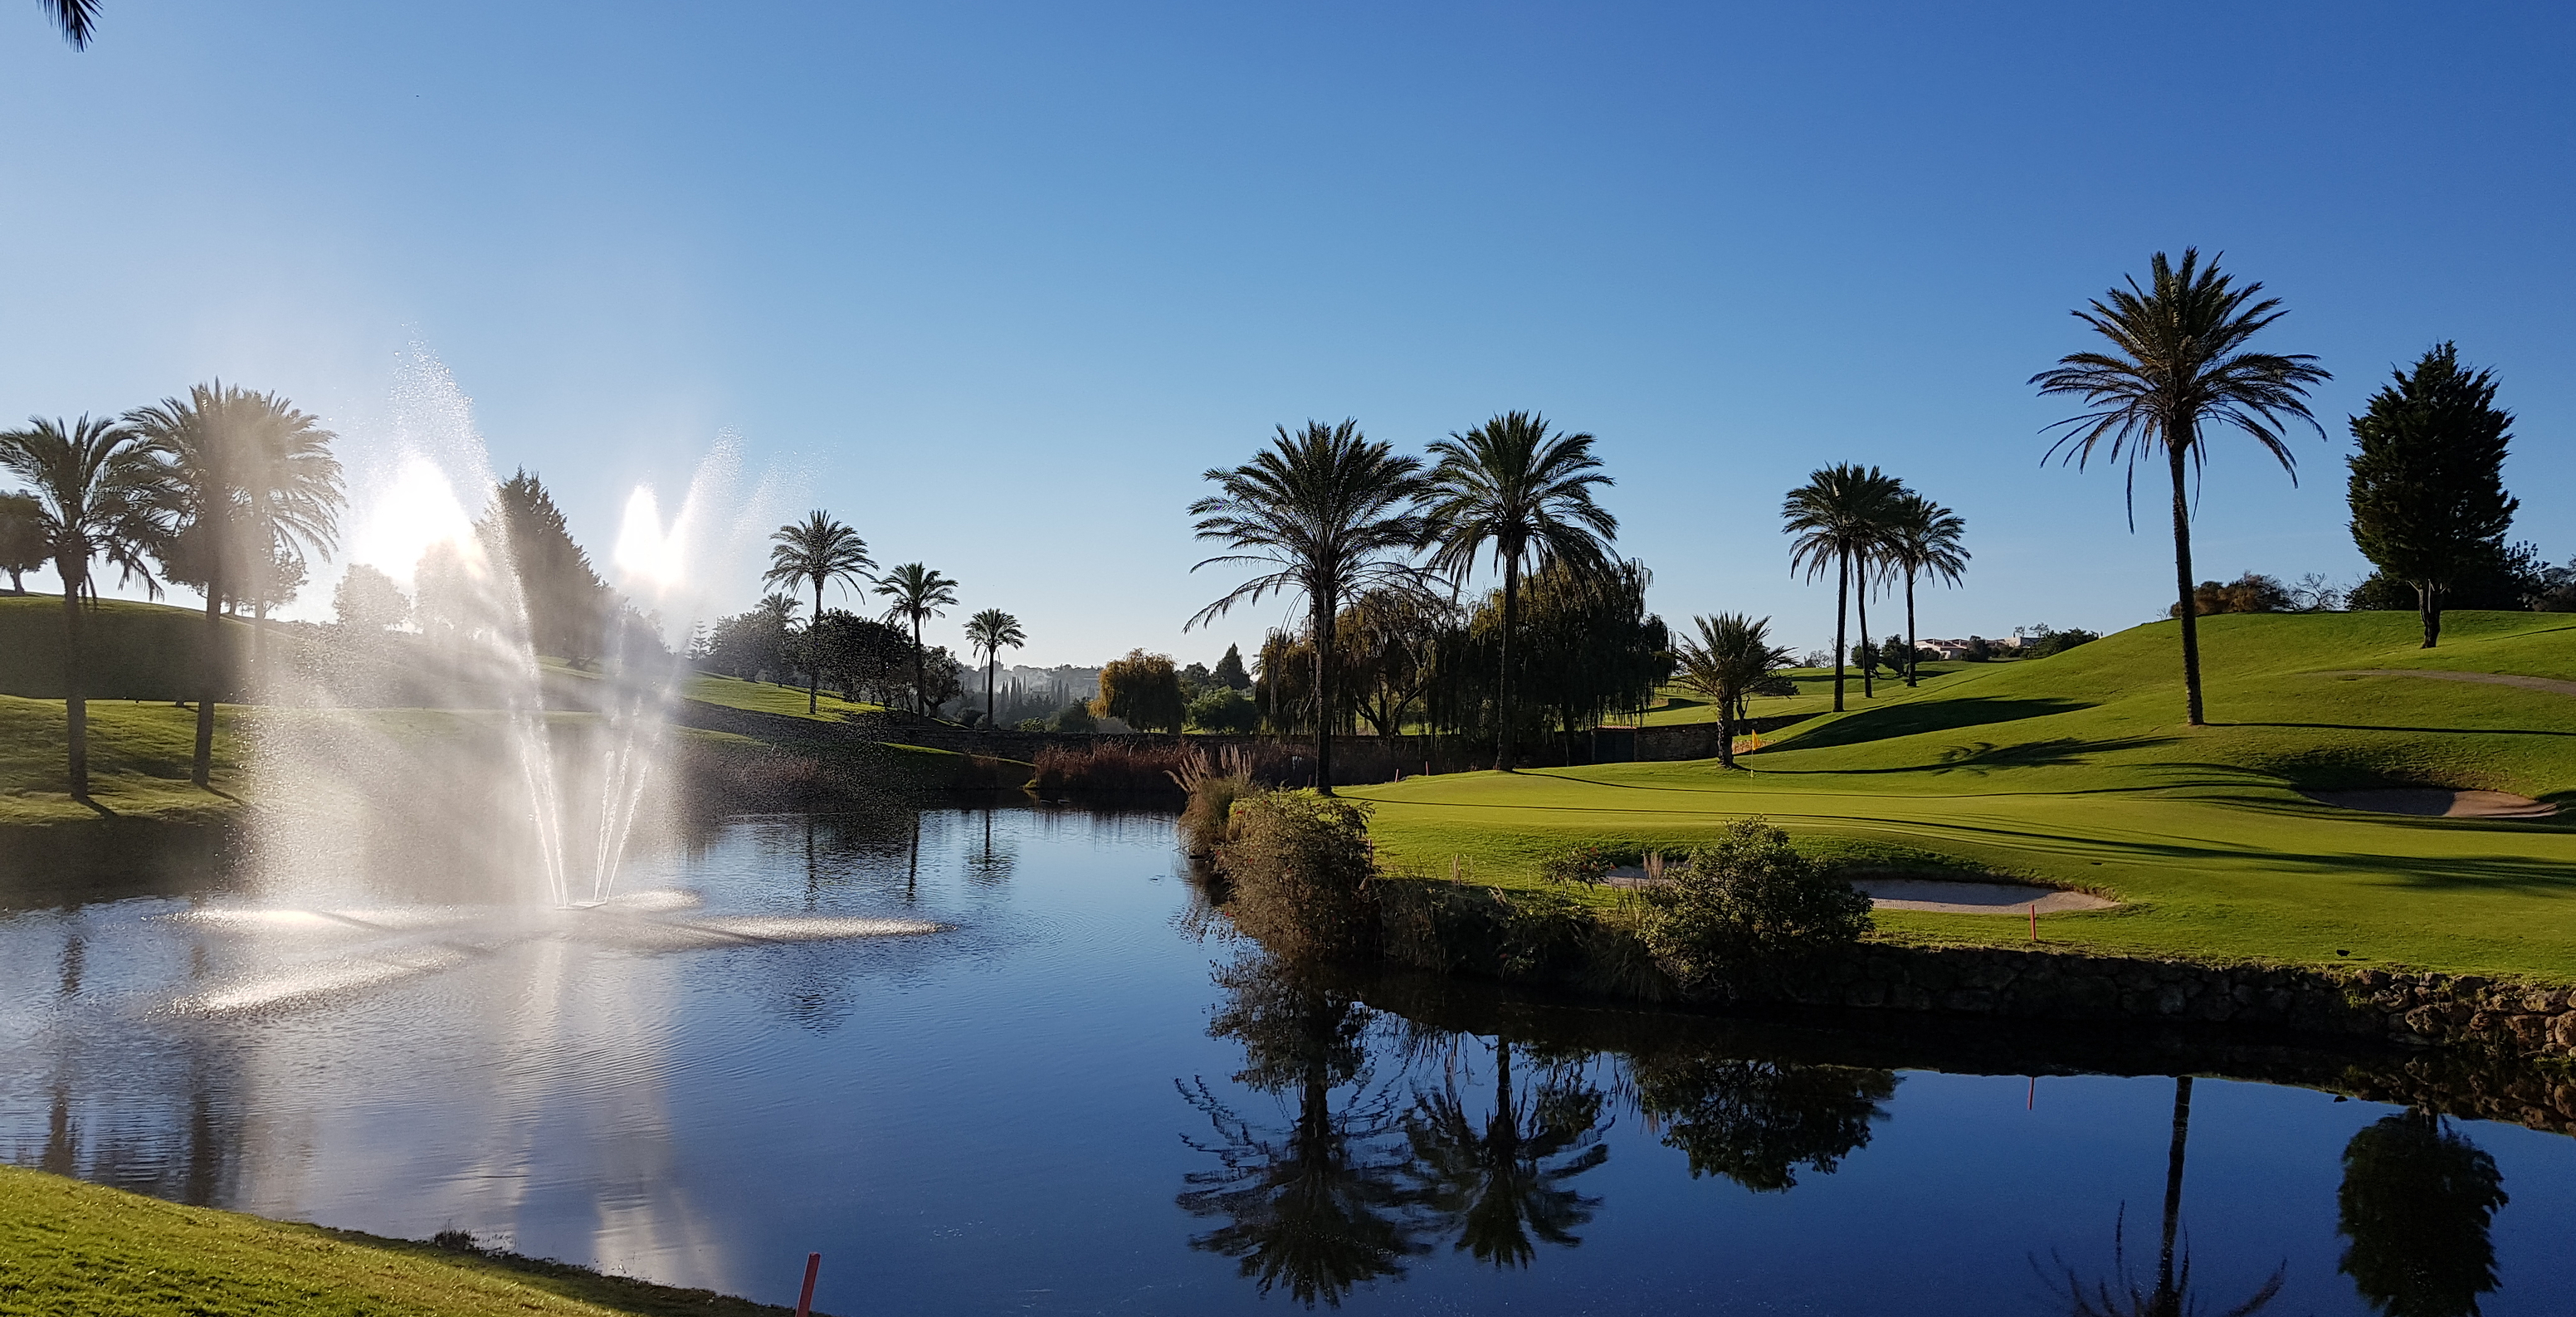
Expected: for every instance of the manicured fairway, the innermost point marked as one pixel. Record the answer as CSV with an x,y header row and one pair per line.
x,y
68,1247
2077,770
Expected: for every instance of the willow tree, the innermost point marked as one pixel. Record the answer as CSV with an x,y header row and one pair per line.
x,y
2178,359
816,552
1329,513
1515,489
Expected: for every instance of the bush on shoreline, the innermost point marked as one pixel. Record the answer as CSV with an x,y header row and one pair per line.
x,y
1746,904
1299,866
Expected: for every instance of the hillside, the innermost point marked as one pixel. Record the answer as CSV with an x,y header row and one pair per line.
x,y
2077,770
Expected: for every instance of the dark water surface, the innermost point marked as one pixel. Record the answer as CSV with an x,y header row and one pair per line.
x,y
1070,1100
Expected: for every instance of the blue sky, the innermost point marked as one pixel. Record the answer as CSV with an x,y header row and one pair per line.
x,y
995,283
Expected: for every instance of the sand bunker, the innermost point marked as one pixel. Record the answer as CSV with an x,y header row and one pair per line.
x,y
1939,895
2437,803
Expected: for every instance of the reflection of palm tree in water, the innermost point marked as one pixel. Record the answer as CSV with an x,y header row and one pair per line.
x,y
1319,1205
2171,1295
2415,1203
1499,1185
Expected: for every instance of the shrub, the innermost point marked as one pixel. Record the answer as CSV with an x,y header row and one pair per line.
x,y
1074,717
1586,862
1299,865
1112,767
1746,904
1224,709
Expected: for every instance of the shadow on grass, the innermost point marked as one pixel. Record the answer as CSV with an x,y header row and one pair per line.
x,y
1916,718
2432,731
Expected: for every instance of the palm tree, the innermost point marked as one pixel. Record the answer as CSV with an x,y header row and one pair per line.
x,y
99,494
1923,540
816,551
1328,510
254,484
918,593
2178,360
78,20
1512,485
2171,1295
992,631
1731,658
1839,519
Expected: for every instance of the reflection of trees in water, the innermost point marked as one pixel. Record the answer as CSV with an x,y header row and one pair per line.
x,y
1757,1120
2170,1295
1498,1182
1318,1206
2416,1201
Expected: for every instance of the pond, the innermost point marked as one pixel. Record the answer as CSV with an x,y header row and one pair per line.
x,y
1074,1094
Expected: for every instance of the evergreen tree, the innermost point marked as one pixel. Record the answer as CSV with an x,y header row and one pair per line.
x,y
2428,501
567,605
1229,670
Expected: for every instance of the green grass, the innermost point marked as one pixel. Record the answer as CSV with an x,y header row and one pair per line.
x,y
762,697
69,1247
138,762
1815,695
2076,770
129,650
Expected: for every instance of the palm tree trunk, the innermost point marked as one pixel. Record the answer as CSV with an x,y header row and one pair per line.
x,y
1842,597
814,660
1726,729
1913,650
1503,686
2165,1296
75,706
2428,602
1324,611
920,675
2182,583
1868,688
209,684
991,660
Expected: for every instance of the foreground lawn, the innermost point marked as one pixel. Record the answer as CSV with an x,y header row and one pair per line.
x,y
2076,770
69,1247
138,762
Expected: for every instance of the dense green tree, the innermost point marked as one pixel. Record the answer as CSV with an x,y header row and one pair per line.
x,y
1143,691
1924,541
2177,361
253,484
1838,521
861,657
918,594
1329,513
22,538
2416,1203
566,608
993,631
2429,505
1524,494
1730,659
367,601
1229,670
816,552
1222,708
100,495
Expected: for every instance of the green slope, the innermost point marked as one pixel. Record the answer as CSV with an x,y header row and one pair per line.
x,y
2077,770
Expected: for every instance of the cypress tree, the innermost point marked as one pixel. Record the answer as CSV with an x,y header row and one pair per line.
x,y
2428,501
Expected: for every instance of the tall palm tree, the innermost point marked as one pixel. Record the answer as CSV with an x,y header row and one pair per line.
x,y
1512,486
1731,658
816,552
254,485
78,20
1924,540
1838,520
2177,360
99,494
919,594
1330,512
993,631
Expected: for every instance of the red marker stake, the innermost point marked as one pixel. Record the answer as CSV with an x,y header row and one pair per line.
x,y
2034,921
805,1297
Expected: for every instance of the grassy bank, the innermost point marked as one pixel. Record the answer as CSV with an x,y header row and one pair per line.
x,y
2076,771
69,1247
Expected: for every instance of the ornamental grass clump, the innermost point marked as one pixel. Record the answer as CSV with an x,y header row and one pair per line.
x,y
1747,905
1299,866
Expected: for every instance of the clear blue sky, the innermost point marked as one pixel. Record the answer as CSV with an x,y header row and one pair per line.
x,y
995,283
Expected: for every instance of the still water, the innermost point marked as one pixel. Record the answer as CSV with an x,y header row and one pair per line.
x,y
1077,1096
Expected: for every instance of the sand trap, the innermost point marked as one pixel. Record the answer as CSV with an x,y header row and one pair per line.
x,y
2437,803
1939,895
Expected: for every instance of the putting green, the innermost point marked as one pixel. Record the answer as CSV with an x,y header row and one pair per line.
x,y
2077,770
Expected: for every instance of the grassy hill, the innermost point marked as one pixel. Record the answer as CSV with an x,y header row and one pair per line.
x,y
2077,770
68,1247
130,651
